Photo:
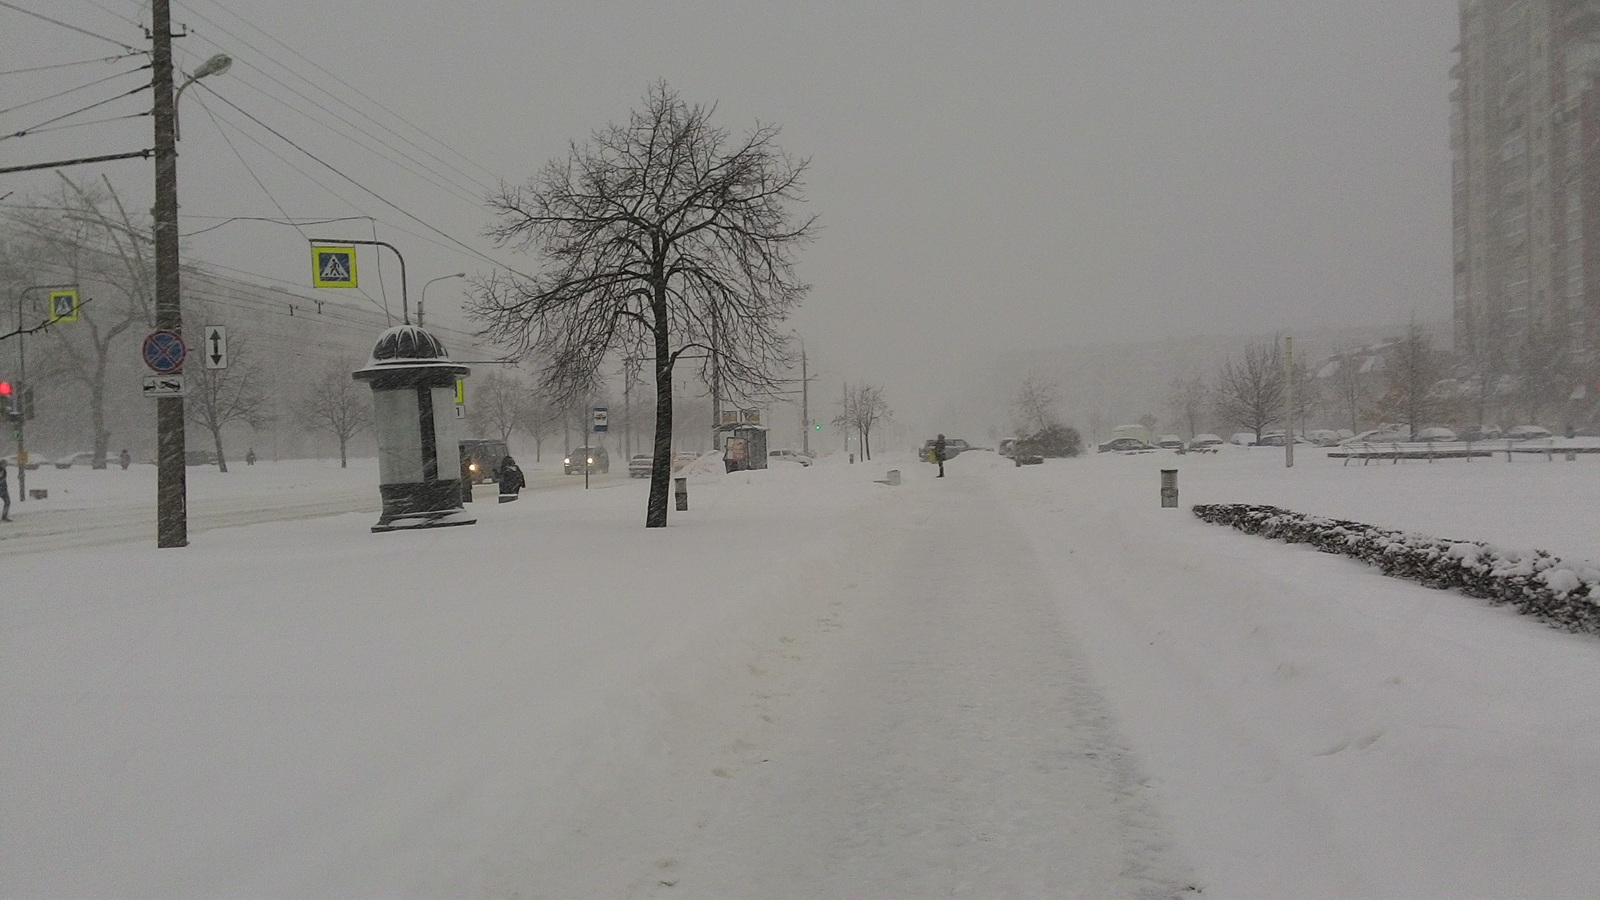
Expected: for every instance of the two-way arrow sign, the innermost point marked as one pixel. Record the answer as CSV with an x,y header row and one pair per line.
x,y
216,348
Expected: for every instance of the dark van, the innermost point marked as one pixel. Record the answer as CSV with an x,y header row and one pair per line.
x,y
481,459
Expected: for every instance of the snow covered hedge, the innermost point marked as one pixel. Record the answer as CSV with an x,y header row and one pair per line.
x,y
1564,594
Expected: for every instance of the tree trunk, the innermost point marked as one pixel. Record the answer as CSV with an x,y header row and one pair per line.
x,y
661,467
343,458
216,438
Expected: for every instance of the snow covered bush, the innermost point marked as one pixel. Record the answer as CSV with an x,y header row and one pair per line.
x,y
1565,594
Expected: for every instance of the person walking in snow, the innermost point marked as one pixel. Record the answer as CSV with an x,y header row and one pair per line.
x,y
938,453
124,459
511,480
5,495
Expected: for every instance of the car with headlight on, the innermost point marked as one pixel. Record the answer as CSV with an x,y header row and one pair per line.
x,y
591,459
481,458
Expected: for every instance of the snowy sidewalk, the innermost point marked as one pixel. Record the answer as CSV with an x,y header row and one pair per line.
x,y
938,737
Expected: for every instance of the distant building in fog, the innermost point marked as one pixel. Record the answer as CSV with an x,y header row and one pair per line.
x,y
1525,144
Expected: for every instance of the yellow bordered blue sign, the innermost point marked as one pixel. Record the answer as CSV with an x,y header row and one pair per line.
x,y
63,306
333,267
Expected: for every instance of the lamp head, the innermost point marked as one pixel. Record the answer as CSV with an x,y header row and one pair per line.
x,y
216,65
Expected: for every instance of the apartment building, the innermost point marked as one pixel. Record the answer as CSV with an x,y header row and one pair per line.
x,y
1525,144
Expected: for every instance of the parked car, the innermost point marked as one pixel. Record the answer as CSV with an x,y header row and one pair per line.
x,y
793,456
639,465
592,459
482,458
1527,433
1170,442
1377,436
1007,446
1026,453
83,457
1437,434
1324,437
1124,445
1205,443
679,460
1479,433
1243,438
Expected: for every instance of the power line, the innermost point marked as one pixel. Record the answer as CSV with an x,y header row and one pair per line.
x,y
51,121
357,91
72,90
81,62
46,130
380,198
29,12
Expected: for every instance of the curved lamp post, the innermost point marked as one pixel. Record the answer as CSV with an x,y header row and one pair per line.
x,y
216,65
425,293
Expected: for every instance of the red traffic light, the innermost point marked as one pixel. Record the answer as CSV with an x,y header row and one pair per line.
x,y
5,388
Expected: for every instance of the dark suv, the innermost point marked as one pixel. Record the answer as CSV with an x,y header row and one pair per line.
x,y
480,459
595,457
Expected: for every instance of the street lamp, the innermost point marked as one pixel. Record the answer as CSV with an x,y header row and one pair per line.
x,y
425,293
216,65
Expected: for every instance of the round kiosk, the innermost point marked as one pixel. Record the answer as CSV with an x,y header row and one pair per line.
x,y
413,417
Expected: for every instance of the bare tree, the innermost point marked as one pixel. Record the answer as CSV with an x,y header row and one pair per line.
x,y
337,404
540,419
85,236
664,239
1187,399
1249,394
1412,377
1035,405
500,403
862,408
217,397
1351,387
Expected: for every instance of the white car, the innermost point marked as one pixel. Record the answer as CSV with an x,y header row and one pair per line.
x,y
1377,436
1205,443
787,456
1527,433
1436,435
1169,442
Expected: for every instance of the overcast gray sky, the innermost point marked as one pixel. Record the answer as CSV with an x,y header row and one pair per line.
x,y
989,177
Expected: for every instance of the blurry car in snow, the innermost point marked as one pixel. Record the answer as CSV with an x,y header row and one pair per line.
x,y
1478,433
787,456
481,458
679,460
1437,434
1243,438
83,457
1377,436
1170,442
1324,437
1205,443
1124,445
1527,433
639,465
590,459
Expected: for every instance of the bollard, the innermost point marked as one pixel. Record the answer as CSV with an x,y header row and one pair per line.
x,y
680,488
1169,488
894,477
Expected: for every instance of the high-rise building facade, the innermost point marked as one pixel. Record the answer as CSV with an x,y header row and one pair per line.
x,y
1525,145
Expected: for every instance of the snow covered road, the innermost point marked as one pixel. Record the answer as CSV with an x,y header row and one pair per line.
x,y
1011,682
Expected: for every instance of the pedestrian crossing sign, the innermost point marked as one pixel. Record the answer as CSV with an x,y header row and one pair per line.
x,y
63,306
333,267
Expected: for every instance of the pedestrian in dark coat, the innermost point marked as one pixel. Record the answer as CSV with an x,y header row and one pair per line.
x,y
511,480
938,453
5,495
124,459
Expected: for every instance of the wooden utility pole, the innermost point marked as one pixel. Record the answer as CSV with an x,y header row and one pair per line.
x,y
172,514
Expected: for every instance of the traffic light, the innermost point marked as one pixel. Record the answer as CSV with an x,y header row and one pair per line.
x,y
7,399
817,427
